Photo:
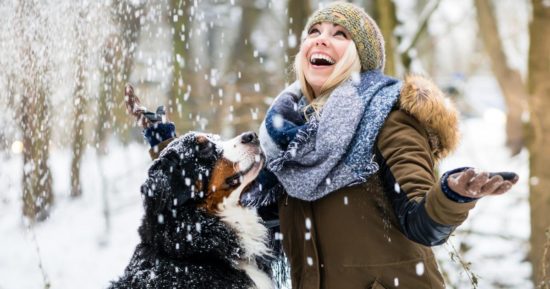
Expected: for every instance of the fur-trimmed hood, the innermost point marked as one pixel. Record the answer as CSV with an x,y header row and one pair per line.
x,y
421,98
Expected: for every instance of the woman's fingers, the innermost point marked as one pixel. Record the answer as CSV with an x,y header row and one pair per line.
x,y
130,99
132,102
503,188
459,182
470,183
134,108
476,183
492,185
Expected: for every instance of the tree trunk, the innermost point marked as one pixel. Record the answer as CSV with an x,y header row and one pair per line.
x,y
387,20
539,140
249,72
118,60
104,102
80,104
37,178
183,78
298,13
34,114
406,58
509,79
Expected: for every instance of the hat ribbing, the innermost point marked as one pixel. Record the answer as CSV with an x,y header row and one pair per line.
x,y
365,33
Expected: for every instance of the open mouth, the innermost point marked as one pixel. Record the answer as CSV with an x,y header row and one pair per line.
x,y
318,59
249,173
254,167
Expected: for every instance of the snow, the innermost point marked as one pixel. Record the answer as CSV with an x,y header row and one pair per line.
x,y
419,268
74,245
75,249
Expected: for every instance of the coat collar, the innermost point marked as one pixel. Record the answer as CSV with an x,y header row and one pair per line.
x,y
421,98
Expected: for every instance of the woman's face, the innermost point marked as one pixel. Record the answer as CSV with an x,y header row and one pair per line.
x,y
323,47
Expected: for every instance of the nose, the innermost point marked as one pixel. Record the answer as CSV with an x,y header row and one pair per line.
x,y
249,137
321,40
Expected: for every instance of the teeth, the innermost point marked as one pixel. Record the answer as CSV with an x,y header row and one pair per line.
x,y
316,56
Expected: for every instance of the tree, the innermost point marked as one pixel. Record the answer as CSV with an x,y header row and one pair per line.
x,y
539,140
247,71
297,17
34,110
80,101
537,94
511,84
385,16
118,61
406,58
183,77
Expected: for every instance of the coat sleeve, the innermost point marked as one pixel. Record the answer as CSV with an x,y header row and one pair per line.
x,y
425,212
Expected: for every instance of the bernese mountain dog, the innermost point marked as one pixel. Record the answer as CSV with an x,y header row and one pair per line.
x,y
195,233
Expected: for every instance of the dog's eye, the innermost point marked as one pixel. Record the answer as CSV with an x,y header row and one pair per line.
x,y
233,181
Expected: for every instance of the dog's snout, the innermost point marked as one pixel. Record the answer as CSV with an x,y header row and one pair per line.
x,y
249,137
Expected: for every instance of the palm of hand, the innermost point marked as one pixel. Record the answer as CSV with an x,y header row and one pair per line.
x,y
474,184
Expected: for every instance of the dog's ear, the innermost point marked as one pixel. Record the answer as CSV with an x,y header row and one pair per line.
x,y
156,189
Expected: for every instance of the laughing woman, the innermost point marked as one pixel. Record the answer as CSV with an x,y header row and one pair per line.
x,y
355,151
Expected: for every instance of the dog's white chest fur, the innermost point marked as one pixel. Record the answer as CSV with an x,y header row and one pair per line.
x,y
252,234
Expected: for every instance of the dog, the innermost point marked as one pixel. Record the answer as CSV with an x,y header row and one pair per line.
x,y
195,234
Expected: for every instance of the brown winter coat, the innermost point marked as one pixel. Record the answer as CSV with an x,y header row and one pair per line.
x,y
352,238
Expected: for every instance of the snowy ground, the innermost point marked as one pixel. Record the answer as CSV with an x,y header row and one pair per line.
x,y
75,248
77,251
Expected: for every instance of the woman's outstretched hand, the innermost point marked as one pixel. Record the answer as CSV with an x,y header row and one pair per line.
x,y
134,107
472,184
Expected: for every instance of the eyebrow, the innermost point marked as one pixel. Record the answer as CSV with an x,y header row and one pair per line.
x,y
333,24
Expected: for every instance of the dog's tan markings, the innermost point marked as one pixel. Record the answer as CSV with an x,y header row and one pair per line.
x,y
218,189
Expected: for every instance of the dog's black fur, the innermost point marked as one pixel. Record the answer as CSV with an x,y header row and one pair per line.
x,y
182,245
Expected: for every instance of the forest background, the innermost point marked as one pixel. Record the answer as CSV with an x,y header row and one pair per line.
x,y
72,161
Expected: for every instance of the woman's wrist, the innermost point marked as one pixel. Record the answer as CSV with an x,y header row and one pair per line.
x,y
159,132
449,192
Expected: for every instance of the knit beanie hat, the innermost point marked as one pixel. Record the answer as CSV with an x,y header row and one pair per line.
x,y
364,31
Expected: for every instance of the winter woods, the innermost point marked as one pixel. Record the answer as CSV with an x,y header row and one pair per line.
x,y
216,65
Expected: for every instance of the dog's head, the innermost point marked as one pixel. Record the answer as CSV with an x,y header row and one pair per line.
x,y
202,169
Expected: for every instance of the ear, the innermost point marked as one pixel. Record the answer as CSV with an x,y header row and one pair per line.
x,y
166,186
181,186
156,189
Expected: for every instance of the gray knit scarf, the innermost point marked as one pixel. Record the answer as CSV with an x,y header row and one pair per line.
x,y
315,157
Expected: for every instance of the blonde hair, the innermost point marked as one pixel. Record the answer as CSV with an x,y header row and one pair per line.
x,y
344,69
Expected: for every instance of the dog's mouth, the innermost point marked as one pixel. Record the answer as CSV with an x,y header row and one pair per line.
x,y
246,156
248,169
252,170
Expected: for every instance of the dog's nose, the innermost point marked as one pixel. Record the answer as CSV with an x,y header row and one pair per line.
x,y
249,137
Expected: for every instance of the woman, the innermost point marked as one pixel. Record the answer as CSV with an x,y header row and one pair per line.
x,y
355,151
